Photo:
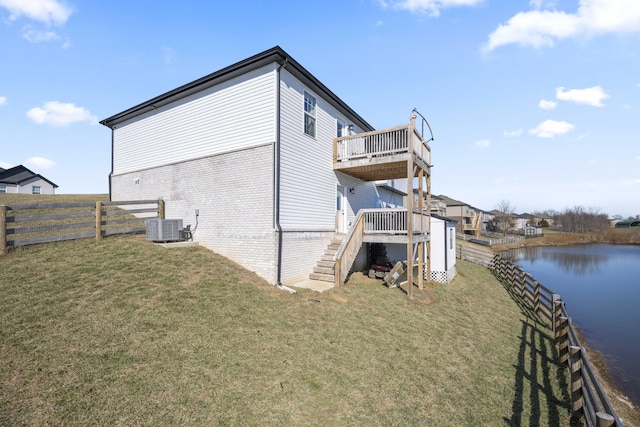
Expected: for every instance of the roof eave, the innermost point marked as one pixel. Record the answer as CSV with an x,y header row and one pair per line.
x,y
275,54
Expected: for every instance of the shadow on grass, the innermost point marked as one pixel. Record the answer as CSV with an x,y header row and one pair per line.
x,y
537,365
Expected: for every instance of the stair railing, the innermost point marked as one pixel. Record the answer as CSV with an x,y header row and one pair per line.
x,y
349,249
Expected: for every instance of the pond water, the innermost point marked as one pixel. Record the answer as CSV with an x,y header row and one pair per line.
x,y
600,285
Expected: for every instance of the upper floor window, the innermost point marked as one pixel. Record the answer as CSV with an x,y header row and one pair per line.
x,y
340,129
3,188
35,189
309,114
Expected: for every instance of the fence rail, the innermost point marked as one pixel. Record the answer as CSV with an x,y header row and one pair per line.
x,y
475,255
589,402
29,224
491,241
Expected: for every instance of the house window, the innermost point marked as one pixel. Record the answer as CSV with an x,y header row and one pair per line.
x,y
309,114
340,130
3,188
35,189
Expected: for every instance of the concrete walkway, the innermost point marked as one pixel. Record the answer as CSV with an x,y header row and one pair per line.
x,y
314,285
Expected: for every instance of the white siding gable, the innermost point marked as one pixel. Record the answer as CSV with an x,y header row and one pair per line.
x,y
236,114
308,182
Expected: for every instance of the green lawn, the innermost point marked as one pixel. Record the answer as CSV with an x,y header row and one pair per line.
x,y
123,332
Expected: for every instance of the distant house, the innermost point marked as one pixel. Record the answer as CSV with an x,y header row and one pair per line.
x,y
532,231
468,219
627,224
20,180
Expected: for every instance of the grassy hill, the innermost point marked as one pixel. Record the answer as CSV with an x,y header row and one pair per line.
x,y
123,332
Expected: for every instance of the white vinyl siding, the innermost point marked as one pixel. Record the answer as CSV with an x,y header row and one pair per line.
x,y
308,182
237,114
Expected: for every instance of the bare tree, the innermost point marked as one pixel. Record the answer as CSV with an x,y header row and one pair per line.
x,y
581,220
505,215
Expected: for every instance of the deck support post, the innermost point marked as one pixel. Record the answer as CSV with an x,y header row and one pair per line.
x,y
410,222
421,243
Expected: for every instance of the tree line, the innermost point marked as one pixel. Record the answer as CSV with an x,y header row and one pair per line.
x,y
577,219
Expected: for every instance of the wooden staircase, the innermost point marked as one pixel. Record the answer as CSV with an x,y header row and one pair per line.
x,y
325,268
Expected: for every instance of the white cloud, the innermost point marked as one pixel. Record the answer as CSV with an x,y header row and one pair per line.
x,y
5,165
3,100
39,163
512,133
429,7
483,143
538,28
37,36
46,11
590,96
637,157
551,128
547,105
60,114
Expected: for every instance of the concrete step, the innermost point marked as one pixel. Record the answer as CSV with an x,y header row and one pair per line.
x,y
329,264
323,270
322,277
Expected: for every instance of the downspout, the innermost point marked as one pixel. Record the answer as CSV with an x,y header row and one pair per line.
x,y
111,173
276,172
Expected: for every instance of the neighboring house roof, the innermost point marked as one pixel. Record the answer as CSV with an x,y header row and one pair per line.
x,y
449,201
19,174
390,188
275,54
444,218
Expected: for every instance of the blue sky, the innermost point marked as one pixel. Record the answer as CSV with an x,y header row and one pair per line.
x,y
534,102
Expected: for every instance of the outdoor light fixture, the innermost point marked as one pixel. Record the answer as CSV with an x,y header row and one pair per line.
x,y
352,190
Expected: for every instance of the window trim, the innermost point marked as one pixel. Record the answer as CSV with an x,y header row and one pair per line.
x,y
33,189
306,114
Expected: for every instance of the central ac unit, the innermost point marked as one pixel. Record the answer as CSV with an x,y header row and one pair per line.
x,y
164,230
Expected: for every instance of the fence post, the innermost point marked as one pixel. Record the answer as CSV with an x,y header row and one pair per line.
x,y
3,229
536,296
512,275
604,420
575,366
98,220
563,340
160,208
523,285
556,311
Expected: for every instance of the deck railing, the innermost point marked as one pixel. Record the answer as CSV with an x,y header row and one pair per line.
x,y
386,142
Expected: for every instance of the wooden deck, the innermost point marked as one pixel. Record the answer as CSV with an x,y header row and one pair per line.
x,y
383,154
394,153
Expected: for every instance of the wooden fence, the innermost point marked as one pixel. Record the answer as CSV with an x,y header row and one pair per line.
x,y
30,224
477,255
589,403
